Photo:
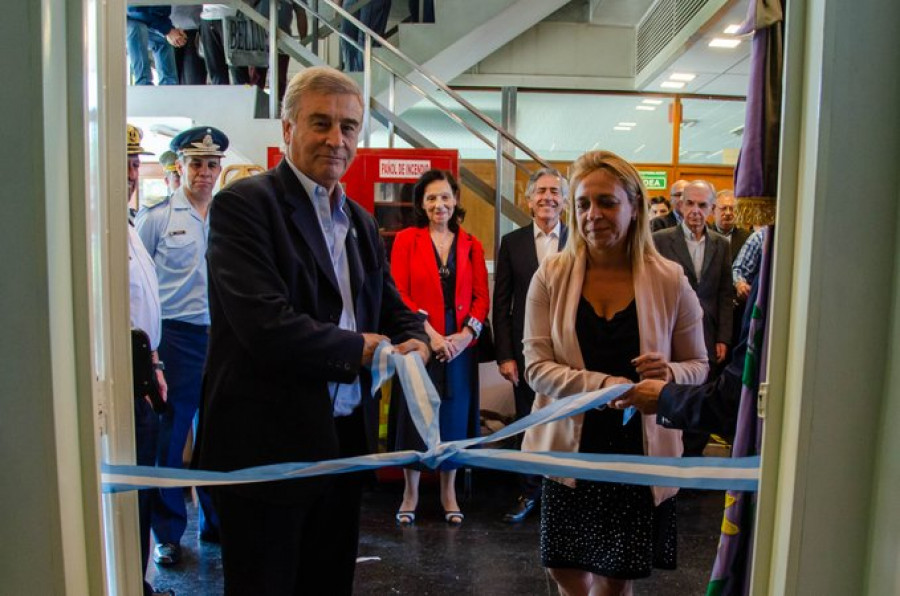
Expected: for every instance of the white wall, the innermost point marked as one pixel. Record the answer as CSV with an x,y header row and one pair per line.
x,y
836,275
229,108
49,507
566,55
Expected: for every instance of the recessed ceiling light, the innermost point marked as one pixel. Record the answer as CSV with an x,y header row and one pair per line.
x,y
653,102
645,108
731,29
722,42
682,76
627,124
672,84
621,128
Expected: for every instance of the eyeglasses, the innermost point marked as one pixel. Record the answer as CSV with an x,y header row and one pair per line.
x,y
444,271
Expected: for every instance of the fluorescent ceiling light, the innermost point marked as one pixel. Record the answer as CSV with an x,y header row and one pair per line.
x,y
731,29
672,84
629,124
682,76
621,128
722,42
645,108
653,102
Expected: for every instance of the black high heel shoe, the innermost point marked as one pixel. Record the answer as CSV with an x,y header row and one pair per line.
x,y
454,518
405,519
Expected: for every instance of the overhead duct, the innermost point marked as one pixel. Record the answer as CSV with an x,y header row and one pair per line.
x,y
660,26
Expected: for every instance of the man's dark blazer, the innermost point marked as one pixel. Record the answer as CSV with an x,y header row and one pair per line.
x,y
738,237
516,263
662,223
714,288
274,339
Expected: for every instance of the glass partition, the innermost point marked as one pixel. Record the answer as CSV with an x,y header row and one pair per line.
x,y
562,126
445,133
711,131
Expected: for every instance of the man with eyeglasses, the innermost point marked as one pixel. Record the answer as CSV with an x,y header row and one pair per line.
x,y
674,217
724,224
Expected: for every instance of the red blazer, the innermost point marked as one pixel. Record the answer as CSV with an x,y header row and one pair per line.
x,y
416,275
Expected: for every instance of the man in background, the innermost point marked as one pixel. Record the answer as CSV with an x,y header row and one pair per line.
x,y
724,224
674,216
150,29
188,58
520,254
706,259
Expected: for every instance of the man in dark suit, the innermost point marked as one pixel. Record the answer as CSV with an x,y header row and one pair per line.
x,y
706,259
673,218
300,296
520,254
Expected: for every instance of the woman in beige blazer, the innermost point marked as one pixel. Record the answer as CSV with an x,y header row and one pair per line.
x,y
608,310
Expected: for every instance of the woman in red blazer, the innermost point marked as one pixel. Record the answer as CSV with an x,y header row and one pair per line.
x,y
439,270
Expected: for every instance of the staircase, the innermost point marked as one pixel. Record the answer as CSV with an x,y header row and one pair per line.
x,y
464,33
398,77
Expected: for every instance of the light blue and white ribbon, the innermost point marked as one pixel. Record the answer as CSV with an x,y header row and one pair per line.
x,y
423,403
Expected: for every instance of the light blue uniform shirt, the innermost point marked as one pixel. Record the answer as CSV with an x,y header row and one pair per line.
x,y
335,224
176,237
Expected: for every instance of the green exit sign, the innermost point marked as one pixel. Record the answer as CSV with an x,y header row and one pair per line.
x,y
655,180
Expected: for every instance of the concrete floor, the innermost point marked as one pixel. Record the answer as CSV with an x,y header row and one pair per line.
x,y
483,557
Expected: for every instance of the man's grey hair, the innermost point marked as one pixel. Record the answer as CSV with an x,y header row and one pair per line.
x,y
532,181
724,193
317,79
705,185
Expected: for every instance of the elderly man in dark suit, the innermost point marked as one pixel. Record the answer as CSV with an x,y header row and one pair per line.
x,y
300,296
520,254
673,218
705,257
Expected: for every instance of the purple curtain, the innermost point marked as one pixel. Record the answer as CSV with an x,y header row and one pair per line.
x,y
731,571
756,173
755,185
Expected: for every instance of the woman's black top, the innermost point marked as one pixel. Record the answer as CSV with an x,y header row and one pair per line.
x,y
609,346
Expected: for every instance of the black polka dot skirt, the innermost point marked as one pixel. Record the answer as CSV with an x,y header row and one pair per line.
x,y
606,528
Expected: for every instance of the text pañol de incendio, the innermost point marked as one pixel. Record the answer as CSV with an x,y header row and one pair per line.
x,y
403,168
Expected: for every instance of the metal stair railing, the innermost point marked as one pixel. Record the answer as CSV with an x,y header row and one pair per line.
x,y
386,115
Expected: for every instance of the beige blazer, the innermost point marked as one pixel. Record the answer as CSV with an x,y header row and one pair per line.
x,y
669,321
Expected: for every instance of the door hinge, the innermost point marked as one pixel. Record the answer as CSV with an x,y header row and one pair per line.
x,y
762,400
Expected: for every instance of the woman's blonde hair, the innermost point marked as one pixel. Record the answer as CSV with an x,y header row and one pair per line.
x,y
639,243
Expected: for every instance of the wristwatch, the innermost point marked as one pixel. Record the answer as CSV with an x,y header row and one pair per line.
x,y
159,365
474,324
